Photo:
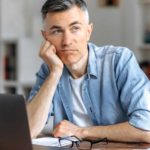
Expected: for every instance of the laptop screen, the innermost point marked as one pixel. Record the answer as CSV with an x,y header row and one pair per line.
x,y
14,128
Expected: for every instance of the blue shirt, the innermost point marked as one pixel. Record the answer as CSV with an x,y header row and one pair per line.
x,y
115,89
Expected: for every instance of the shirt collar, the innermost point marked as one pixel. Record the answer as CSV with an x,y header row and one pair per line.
x,y
92,65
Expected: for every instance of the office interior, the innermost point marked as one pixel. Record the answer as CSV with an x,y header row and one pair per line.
x,y
116,22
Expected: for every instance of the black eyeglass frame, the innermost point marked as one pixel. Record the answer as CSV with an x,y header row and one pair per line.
x,y
77,143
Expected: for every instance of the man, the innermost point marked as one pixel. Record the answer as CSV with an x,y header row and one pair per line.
x,y
93,92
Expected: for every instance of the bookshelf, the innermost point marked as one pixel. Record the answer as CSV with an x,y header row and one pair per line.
x,y
18,67
145,12
143,25
19,59
10,61
9,70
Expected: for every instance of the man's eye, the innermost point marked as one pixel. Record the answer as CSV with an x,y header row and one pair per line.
x,y
56,32
74,29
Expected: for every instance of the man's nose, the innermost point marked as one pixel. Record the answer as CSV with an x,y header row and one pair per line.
x,y
67,39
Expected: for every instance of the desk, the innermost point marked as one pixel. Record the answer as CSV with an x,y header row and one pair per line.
x,y
109,146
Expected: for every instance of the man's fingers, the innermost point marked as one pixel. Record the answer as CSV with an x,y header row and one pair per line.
x,y
47,51
64,128
44,47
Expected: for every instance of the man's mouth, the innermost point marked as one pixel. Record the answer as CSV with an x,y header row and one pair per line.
x,y
69,50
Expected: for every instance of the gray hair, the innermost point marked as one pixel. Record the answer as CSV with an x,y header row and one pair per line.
x,y
62,5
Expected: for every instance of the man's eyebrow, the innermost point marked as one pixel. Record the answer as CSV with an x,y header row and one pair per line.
x,y
55,27
59,27
75,22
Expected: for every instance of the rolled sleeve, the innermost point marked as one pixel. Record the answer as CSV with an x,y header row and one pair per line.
x,y
140,117
141,120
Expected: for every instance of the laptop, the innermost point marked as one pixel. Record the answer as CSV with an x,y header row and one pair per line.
x,y
14,128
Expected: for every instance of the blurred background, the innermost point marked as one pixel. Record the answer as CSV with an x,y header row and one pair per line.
x,y
116,22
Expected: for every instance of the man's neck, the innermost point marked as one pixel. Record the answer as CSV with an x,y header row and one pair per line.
x,y
80,68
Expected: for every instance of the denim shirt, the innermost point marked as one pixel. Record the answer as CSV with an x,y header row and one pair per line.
x,y
115,89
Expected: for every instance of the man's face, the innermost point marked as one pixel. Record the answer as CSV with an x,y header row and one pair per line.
x,y
69,31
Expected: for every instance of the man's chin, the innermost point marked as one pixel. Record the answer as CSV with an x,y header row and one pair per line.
x,y
71,63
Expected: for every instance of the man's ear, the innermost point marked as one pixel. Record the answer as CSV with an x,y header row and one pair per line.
x,y
90,29
44,34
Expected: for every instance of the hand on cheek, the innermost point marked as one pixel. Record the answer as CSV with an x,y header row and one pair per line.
x,y
48,54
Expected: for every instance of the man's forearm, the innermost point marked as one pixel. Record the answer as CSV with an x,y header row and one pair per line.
x,y
38,108
119,132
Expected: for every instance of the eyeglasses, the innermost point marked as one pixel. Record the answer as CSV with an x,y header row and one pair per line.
x,y
69,142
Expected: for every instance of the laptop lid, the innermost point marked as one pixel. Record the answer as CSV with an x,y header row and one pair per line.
x,y
14,128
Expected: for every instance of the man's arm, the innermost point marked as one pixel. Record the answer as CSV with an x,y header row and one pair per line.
x,y
123,132
38,108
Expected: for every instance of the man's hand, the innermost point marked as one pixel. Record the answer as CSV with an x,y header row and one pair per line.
x,y
66,128
48,54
